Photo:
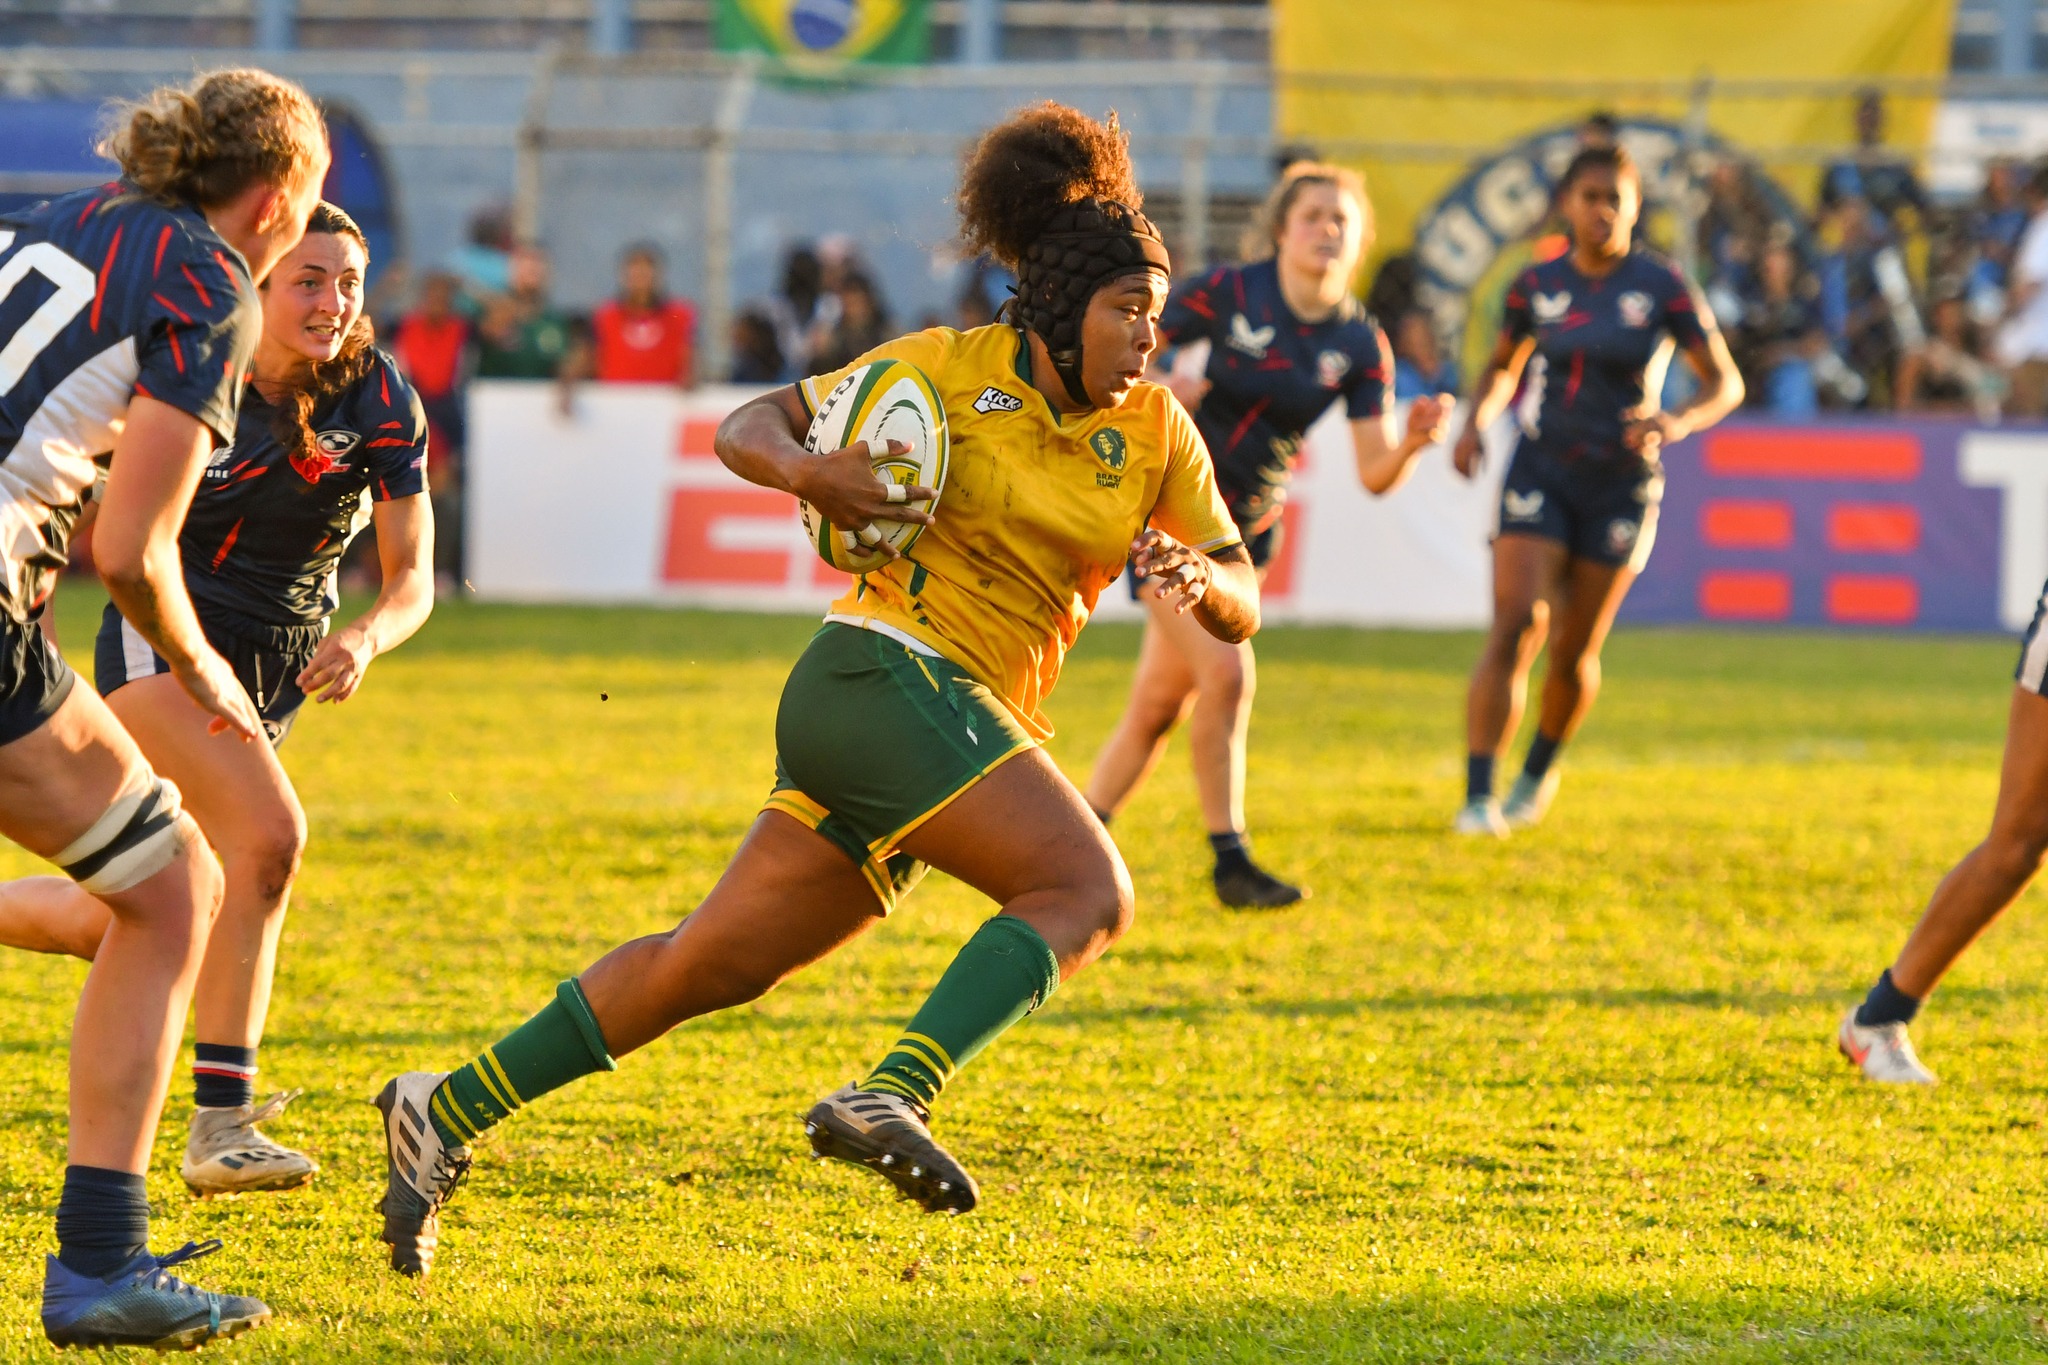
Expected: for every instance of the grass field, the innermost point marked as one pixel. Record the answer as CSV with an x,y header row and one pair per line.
x,y
1572,1097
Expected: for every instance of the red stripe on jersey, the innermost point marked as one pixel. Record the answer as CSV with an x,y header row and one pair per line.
x,y
1571,389
177,351
1246,424
384,385
163,239
244,478
1198,304
143,389
205,299
386,441
228,544
390,426
99,293
183,316
383,490
86,212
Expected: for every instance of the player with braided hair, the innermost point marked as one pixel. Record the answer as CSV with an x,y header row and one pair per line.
x,y
910,730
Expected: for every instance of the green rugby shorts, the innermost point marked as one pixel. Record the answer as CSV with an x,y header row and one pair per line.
x,y
873,738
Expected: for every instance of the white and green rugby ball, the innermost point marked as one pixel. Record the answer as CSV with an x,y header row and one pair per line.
x,y
879,402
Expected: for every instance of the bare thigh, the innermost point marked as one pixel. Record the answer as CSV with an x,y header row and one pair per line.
x,y
236,789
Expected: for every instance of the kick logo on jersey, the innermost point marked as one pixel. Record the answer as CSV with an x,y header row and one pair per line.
x,y
1635,308
994,399
1253,341
1331,367
1550,307
1522,506
327,456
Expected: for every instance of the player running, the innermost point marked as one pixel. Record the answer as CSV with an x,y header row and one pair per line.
x,y
909,732
127,324
1578,512
1976,891
330,437
1285,340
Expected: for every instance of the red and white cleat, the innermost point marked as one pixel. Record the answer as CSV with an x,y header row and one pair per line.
x,y
1883,1053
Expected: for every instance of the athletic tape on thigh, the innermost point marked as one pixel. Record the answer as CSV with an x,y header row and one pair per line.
x,y
133,841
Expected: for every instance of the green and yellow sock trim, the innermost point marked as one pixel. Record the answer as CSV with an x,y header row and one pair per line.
x,y
917,1068
556,1046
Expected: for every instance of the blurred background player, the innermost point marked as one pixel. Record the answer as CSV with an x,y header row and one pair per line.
x,y
1975,892
1284,341
330,439
910,730
1578,512
137,333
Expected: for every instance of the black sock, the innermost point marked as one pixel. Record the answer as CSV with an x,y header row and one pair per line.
x,y
1231,853
1542,752
1886,1004
1478,777
102,1220
222,1076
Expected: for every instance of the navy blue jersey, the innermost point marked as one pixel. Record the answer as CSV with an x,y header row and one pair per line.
x,y
1594,339
103,295
1271,376
268,525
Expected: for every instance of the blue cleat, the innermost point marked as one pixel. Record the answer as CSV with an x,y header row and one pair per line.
x,y
143,1304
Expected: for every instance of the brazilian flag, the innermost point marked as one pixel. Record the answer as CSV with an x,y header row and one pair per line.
x,y
822,35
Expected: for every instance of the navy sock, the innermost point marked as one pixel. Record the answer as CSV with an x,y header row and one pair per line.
x,y
1478,777
1886,1004
222,1076
1542,752
1231,853
102,1220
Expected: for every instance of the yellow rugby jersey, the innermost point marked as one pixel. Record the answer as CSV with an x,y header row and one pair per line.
x,y
1037,515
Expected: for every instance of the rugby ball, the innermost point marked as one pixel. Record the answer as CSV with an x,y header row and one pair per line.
x,y
879,402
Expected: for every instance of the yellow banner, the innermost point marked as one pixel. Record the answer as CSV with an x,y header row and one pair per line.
x,y
1462,76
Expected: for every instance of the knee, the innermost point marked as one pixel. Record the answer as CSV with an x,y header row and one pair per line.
x,y
1111,904
721,979
1514,626
270,854
1230,681
2017,852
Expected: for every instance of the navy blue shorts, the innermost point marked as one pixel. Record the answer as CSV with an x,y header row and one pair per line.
x,y
1604,510
34,679
267,660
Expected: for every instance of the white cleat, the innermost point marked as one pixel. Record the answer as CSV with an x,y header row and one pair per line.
x,y
1528,801
1883,1053
228,1154
1481,818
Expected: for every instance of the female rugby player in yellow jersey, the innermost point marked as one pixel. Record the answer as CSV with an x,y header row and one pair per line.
x,y
909,730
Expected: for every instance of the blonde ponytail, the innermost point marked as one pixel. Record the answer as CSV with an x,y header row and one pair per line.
x,y
207,143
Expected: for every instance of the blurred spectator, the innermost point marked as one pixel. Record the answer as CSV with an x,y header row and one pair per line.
x,y
521,335
1996,222
1732,232
1882,178
641,336
484,263
756,349
1866,296
1420,367
1947,375
432,345
796,310
2023,342
861,325
1780,345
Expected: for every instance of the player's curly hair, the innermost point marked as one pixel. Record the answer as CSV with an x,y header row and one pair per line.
x,y
208,142
1032,164
291,417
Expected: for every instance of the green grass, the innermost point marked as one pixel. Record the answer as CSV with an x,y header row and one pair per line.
x,y
1568,1098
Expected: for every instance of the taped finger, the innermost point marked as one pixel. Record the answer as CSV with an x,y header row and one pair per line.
x,y
868,535
898,493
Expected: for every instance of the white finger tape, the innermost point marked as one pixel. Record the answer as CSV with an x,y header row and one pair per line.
x,y
868,535
898,493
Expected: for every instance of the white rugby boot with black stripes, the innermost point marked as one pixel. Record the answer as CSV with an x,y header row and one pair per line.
x,y
228,1154
422,1172
891,1136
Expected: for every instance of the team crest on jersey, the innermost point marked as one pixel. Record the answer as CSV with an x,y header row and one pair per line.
x,y
1109,447
328,456
994,399
1635,308
1522,506
1331,367
1550,307
1253,341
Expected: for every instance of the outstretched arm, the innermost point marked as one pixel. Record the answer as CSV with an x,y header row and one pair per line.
x,y
1385,458
405,550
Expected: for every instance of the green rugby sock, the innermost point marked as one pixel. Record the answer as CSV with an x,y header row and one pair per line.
x,y
555,1047
1005,972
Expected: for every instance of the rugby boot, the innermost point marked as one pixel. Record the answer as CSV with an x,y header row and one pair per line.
x,y
1529,799
143,1304
891,1136
1247,886
1481,818
227,1153
1882,1052
422,1172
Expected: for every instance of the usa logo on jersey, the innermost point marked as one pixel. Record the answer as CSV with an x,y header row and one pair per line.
x,y
329,451
1634,307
